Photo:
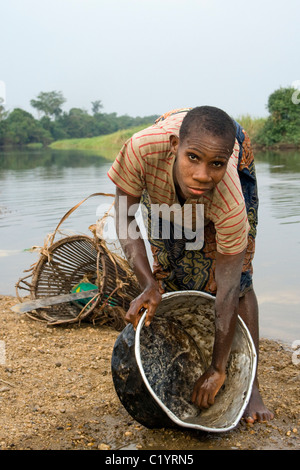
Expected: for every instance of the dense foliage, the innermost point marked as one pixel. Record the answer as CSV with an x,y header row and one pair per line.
x,y
282,127
19,127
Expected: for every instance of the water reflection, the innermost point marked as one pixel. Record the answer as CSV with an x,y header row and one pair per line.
x,y
282,171
38,187
280,162
277,257
47,158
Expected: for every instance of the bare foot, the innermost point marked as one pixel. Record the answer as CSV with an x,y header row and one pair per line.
x,y
256,410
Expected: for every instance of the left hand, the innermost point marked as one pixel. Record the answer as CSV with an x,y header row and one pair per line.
x,y
207,387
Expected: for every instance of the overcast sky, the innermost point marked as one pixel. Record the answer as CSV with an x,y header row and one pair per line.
x,y
142,57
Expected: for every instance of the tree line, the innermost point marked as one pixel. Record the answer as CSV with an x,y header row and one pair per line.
x,y
282,127
20,127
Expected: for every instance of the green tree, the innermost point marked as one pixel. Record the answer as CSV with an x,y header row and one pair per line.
x,y
21,128
96,106
49,103
77,123
3,115
55,128
283,124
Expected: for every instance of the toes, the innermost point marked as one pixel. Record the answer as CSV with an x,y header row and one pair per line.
x,y
249,419
264,417
260,417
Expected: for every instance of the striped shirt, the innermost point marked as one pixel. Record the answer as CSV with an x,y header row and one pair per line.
x,y
145,162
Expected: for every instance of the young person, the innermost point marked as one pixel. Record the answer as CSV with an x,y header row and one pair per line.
x,y
193,157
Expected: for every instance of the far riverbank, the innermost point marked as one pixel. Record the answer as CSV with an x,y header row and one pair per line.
x,y
108,146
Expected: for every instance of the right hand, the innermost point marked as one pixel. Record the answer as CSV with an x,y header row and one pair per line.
x,y
148,300
207,386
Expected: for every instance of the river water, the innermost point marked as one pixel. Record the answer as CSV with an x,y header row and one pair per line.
x,y
39,187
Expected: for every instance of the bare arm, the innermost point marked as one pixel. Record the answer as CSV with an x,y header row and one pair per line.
x,y
228,274
135,252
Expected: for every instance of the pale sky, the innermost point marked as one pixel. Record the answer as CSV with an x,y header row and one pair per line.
x,y
142,57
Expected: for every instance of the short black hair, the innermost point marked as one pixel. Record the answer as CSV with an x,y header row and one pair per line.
x,y
209,119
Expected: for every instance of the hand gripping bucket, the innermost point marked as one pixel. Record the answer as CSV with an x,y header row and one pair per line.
x,y
154,368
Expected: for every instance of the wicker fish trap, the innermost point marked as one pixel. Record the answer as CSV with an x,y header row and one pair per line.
x,y
75,260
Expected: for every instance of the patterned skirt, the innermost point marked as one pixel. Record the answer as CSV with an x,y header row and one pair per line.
x,y
176,268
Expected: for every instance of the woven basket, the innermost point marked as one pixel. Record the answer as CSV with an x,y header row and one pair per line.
x,y
70,261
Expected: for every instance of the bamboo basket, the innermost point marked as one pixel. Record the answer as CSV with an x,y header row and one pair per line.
x,y
75,259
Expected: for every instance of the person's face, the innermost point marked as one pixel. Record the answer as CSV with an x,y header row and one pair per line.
x,y
201,162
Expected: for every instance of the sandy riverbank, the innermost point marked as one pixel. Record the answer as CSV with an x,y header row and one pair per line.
x,y
56,392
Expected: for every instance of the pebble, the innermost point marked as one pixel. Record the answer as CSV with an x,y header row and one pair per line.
x,y
103,446
294,430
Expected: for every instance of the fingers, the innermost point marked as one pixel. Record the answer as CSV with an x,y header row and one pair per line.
x,y
203,399
150,314
134,314
207,387
148,300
